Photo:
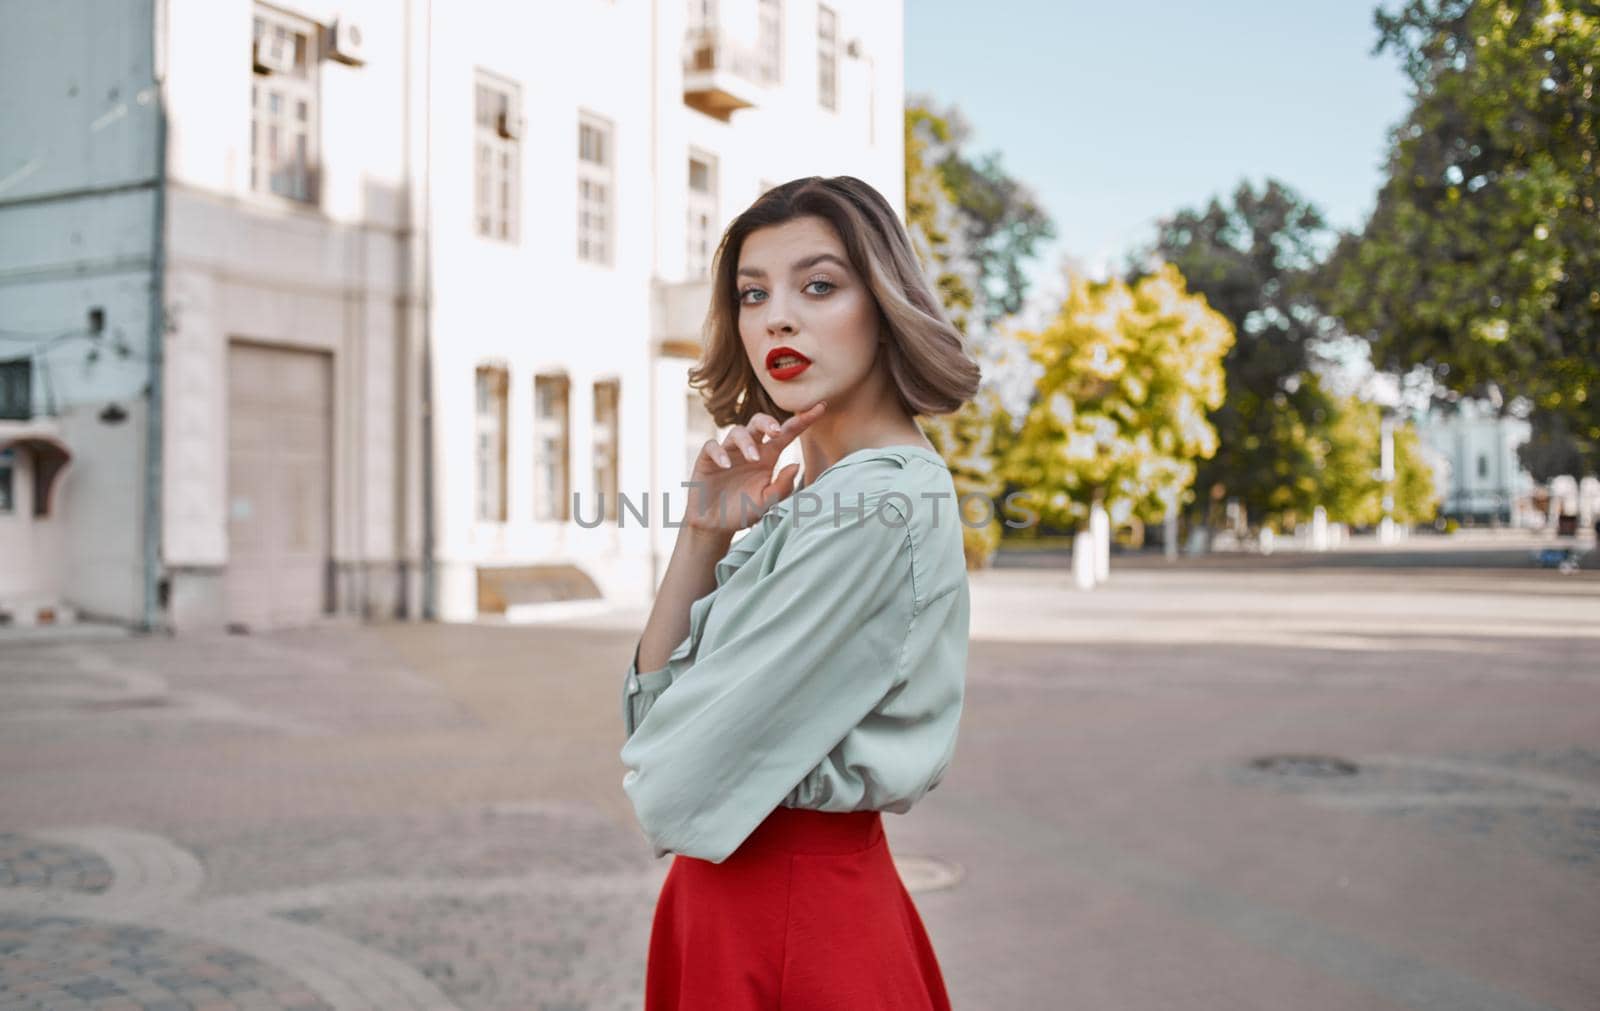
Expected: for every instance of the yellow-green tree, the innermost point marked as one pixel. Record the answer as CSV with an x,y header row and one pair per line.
x,y
1351,488
933,218
1129,374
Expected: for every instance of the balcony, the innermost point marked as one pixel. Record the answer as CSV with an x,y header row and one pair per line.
x,y
720,75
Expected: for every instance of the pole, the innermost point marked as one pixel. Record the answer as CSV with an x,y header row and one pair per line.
x,y
1386,529
155,397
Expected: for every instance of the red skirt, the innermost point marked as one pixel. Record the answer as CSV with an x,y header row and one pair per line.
x,y
808,913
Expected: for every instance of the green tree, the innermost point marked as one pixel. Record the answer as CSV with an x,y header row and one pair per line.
x,y
1129,373
998,217
957,244
1254,260
1481,258
1551,450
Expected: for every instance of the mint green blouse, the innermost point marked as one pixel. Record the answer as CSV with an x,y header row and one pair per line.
x,y
826,670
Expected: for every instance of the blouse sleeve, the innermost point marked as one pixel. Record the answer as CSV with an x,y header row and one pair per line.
x,y
640,689
802,655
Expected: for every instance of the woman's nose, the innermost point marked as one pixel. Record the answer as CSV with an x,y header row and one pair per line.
x,y
779,319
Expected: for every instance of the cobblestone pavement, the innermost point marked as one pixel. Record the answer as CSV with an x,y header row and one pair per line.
x,y
1199,787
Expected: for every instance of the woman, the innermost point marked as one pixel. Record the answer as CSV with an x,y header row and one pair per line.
x,y
792,685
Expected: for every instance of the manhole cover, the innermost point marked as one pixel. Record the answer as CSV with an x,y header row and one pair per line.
x,y
1315,766
925,874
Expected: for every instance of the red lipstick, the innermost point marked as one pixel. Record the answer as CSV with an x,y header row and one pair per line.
x,y
794,362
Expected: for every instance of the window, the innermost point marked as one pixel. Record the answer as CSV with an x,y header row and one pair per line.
x,y
595,190
605,445
283,97
697,430
499,157
1483,465
491,444
702,15
702,213
770,40
550,448
8,501
16,389
827,58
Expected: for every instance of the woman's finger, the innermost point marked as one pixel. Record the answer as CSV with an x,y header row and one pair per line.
x,y
765,424
714,450
797,423
741,440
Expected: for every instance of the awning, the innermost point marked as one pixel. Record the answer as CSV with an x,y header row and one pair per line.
x,y
50,458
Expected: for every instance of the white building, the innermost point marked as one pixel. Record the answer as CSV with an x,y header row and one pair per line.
x,y
430,278
1482,480
79,129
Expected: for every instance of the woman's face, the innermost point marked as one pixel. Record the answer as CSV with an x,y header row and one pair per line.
x,y
797,291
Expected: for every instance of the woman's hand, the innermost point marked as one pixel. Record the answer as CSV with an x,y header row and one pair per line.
x,y
734,481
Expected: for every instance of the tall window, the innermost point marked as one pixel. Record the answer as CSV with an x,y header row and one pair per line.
x,y
16,389
491,444
702,14
702,213
595,189
283,97
770,40
605,444
499,157
1483,465
550,496
827,58
8,501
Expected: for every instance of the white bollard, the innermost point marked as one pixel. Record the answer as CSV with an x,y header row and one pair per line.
x,y
1386,531
1319,529
1100,528
1083,560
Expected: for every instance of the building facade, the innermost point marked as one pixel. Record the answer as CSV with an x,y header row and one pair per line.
x,y
1482,481
79,189
430,281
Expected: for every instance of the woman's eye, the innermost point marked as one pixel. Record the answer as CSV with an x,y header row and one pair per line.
x,y
829,285
744,296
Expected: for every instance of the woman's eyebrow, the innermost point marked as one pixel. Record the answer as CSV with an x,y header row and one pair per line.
x,y
810,261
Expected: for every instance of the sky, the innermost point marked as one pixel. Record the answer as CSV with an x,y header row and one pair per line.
x,y
1117,115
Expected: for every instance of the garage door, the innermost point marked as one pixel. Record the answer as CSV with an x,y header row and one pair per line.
x,y
280,485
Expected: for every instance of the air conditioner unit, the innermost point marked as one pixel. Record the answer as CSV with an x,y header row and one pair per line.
x,y
272,54
345,43
509,126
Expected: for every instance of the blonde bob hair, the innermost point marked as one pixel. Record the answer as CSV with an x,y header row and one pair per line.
x,y
928,361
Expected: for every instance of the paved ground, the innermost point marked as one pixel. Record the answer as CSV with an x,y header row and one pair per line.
x,y
431,817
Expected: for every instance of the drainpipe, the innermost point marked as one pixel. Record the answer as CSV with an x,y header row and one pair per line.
x,y
653,447
157,334
430,587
